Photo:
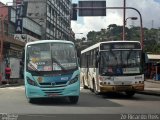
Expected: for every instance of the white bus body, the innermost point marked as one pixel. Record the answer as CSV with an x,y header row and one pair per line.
x,y
113,66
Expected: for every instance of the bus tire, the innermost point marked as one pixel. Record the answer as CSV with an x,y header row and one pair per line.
x,y
84,86
94,89
91,90
73,99
31,100
130,93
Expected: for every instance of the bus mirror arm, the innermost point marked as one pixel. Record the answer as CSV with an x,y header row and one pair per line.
x,y
97,60
143,57
79,61
143,60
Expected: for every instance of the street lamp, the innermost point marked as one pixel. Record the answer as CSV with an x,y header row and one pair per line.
x,y
125,22
132,18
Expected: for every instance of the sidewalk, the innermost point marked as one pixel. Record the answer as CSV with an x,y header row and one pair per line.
x,y
17,82
152,87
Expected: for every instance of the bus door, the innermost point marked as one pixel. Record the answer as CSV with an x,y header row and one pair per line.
x,y
87,67
87,72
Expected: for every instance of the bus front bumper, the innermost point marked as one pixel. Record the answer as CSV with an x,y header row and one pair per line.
x,y
37,92
121,88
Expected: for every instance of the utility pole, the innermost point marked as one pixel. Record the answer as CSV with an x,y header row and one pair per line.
x,y
124,17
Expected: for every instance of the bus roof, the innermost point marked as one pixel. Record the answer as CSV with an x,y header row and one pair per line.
x,y
98,44
49,41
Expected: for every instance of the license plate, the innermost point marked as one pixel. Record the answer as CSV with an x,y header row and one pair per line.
x,y
123,88
52,95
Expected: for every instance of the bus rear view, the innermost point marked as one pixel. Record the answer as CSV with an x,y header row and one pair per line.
x,y
51,70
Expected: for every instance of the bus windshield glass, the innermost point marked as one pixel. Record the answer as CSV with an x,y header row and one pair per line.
x,y
120,62
51,57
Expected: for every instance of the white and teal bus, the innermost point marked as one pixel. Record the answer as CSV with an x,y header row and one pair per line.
x,y
51,70
113,66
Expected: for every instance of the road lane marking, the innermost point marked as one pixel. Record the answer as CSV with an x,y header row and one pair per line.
x,y
13,88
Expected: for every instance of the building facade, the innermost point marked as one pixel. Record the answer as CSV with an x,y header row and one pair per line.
x,y
12,44
54,16
46,19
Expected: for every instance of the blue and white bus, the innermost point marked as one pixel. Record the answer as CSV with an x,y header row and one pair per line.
x,y
113,66
51,70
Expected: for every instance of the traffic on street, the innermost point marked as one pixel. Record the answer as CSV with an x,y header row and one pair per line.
x,y
79,60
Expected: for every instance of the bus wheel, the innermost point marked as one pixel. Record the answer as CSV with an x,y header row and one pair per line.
x,y
74,99
31,100
91,90
84,86
94,89
130,93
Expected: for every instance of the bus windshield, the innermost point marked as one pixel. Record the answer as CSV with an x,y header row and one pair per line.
x,y
120,62
51,57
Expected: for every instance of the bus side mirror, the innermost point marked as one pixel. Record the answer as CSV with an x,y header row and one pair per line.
x,y
144,60
79,61
96,64
144,57
97,59
21,63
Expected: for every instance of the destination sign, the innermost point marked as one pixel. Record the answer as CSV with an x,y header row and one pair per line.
x,y
118,45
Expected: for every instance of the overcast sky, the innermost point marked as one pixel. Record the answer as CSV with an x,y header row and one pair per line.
x,y
150,10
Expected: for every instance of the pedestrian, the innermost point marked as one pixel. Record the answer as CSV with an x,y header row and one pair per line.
x,y
0,78
7,73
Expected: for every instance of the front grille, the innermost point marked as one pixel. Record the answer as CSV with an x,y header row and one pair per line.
x,y
45,83
58,91
123,82
56,84
123,88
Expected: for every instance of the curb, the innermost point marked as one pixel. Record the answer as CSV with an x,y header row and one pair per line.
x,y
149,92
152,81
14,83
11,85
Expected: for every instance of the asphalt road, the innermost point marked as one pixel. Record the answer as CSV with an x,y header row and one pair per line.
x,y
90,106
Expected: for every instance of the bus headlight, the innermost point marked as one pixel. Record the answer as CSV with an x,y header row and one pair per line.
x,y
101,78
74,80
31,82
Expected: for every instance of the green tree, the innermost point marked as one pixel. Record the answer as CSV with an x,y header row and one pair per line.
x,y
114,32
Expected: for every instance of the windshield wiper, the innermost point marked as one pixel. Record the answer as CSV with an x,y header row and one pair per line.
x,y
114,57
55,60
30,67
128,56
